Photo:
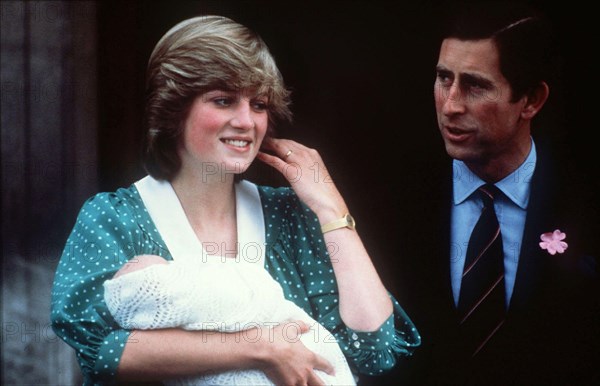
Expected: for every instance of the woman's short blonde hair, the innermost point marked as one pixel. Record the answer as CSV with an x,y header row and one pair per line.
x,y
196,56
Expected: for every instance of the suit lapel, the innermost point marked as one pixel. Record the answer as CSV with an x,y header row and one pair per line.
x,y
445,212
540,219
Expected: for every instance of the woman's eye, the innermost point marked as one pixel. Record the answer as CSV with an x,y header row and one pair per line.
x,y
222,101
260,105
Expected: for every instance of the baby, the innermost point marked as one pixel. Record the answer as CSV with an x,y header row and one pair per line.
x,y
152,293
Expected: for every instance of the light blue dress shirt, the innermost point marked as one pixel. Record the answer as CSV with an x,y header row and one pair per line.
x,y
511,210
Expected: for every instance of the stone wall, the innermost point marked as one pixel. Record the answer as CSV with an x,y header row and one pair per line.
x,y
49,167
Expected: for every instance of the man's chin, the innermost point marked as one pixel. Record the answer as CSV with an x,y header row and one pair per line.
x,y
456,152
460,153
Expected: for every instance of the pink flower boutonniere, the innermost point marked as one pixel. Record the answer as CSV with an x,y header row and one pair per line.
x,y
553,242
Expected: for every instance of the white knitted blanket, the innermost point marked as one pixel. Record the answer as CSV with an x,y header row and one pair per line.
x,y
218,296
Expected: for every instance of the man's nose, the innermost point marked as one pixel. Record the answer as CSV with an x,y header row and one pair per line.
x,y
453,100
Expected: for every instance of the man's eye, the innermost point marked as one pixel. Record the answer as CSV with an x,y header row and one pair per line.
x,y
476,89
444,79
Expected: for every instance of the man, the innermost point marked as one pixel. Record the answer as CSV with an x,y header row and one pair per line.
x,y
515,308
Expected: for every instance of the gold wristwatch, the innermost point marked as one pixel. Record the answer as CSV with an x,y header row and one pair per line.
x,y
345,222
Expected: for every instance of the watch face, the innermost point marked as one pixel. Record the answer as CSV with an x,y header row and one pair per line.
x,y
351,222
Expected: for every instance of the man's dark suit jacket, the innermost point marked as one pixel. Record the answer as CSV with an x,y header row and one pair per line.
x,y
553,324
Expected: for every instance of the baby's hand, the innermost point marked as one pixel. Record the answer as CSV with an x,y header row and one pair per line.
x,y
139,262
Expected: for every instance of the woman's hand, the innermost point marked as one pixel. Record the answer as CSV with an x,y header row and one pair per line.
x,y
307,175
287,361
359,285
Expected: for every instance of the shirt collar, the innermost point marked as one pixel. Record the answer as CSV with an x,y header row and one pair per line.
x,y
515,186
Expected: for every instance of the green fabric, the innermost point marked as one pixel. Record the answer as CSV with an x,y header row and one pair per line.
x,y
114,227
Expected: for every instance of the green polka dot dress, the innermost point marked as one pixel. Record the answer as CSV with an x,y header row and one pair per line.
x,y
111,228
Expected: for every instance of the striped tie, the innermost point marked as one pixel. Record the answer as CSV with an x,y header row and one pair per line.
x,y
481,305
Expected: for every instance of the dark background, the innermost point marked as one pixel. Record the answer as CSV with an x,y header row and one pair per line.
x,y
361,75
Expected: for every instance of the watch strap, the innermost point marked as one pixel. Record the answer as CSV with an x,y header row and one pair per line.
x,y
345,222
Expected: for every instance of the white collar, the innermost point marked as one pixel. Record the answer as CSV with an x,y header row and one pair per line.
x,y
168,215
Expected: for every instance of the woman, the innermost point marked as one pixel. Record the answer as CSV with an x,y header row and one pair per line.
x,y
213,93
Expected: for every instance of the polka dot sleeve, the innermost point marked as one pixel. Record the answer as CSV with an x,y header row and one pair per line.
x,y
376,352
110,229
300,261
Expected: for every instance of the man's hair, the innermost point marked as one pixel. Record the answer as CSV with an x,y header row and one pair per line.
x,y
523,36
196,56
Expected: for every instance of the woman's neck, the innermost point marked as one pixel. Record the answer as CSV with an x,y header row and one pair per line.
x,y
207,202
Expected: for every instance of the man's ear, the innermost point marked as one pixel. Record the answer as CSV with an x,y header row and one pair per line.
x,y
535,100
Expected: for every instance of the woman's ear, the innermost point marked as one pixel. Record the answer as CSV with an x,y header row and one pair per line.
x,y
535,100
268,135
263,143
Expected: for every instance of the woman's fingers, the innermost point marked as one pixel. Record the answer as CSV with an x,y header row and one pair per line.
x,y
274,161
280,146
304,169
290,151
324,365
303,327
292,363
294,160
314,380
